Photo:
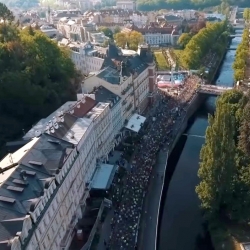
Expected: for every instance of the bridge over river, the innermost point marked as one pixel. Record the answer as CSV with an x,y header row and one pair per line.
x,y
235,35
212,89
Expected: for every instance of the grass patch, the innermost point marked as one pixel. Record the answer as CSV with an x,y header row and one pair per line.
x,y
161,61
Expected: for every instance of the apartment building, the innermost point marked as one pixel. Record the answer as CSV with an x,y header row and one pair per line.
x,y
128,74
86,57
157,34
117,16
38,199
80,31
54,16
126,4
45,184
85,5
103,95
49,31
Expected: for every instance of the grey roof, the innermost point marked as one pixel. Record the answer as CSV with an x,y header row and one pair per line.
x,y
104,95
41,125
63,126
129,63
27,180
172,18
110,75
136,63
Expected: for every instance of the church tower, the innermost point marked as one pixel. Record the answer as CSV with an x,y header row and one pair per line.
x,y
48,16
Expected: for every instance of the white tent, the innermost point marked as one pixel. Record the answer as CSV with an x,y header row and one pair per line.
x,y
135,122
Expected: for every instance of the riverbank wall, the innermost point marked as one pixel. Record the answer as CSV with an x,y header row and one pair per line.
x,y
197,100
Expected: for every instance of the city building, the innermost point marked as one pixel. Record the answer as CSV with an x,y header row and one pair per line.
x,y
85,5
49,31
40,194
174,16
54,16
128,74
86,57
157,34
80,31
126,4
45,184
103,95
170,19
116,16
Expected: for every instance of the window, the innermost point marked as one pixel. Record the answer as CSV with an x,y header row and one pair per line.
x,y
44,245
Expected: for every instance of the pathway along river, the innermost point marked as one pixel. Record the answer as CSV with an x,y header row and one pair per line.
x,y
181,224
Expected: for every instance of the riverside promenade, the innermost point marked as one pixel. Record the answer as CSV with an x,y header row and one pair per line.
x,y
149,217
147,237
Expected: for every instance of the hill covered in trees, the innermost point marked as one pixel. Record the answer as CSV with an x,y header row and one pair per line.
x,y
148,5
36,76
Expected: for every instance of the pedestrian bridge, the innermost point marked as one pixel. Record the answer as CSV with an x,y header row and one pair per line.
x,y
238,26
212,89
236,35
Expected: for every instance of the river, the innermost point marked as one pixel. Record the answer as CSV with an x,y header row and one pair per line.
x,y
181,223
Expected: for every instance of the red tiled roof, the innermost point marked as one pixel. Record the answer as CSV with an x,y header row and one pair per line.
x,y
81,109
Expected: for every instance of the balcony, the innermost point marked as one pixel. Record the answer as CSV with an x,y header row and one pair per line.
x,y
150,94
129,107
127,89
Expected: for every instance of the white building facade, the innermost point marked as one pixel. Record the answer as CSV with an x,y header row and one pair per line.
x,y
85,57
126,4
89,140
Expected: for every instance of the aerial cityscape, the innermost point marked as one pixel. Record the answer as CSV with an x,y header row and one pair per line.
x,y
125,125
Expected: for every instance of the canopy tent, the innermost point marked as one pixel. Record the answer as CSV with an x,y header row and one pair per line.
x,y
135,122
103,176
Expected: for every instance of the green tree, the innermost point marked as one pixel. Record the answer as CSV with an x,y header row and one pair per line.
x,y
241,56
217,167
246,14
120,39
5,13
213,36
117,29
244,138
184,39
36,77
107,31
132,39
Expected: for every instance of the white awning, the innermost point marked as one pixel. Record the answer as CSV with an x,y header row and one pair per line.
x,y
135,122
103,176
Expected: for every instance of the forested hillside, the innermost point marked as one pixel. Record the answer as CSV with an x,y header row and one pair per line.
x,y
147,5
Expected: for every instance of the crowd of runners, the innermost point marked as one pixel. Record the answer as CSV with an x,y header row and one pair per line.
x,y
163,125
